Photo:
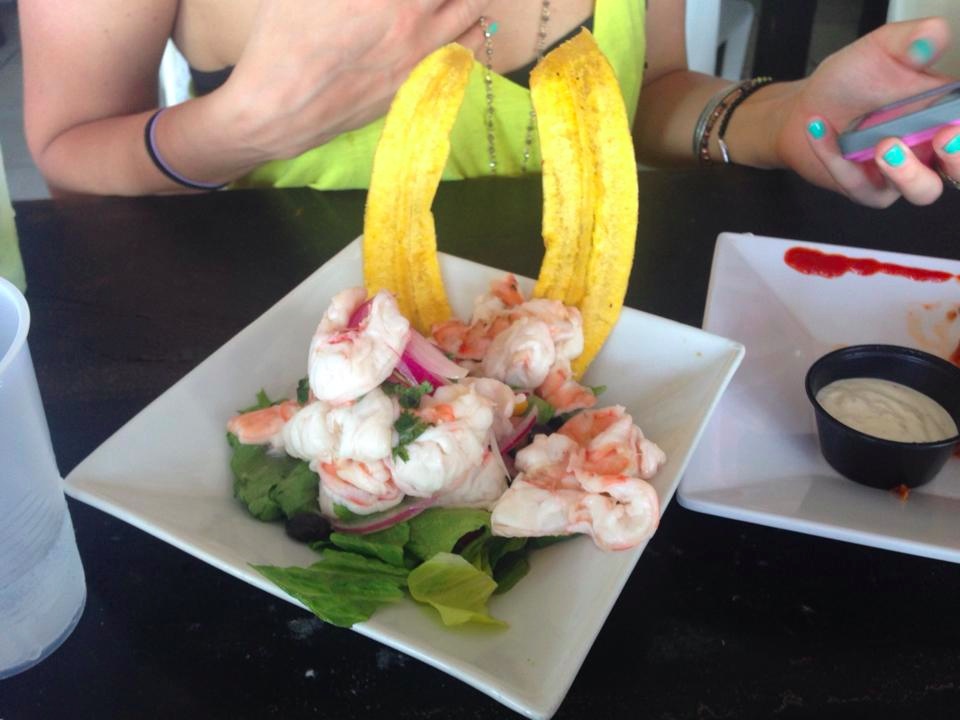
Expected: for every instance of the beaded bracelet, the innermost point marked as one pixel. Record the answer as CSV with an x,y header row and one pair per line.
x,y
720,108
150,139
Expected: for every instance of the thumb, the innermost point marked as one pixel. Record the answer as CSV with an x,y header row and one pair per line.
x,y
915,43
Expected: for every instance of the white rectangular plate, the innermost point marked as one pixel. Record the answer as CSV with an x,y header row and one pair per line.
x,y
166,471
759,459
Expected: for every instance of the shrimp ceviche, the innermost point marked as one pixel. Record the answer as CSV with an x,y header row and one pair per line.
x,y
433,466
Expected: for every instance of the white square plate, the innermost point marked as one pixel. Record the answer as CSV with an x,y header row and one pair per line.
x,y
668,375
759,459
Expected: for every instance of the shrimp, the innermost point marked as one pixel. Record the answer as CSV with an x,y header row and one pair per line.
x,y
564,322
546,462
517,341
481,489
346,361
469,342
503,401
362,430
507,290
613,444
363,488
445,454
263,426
625,515
563,392
308,435
590,477
521,355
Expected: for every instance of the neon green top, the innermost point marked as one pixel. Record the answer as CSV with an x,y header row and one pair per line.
x,y
346,161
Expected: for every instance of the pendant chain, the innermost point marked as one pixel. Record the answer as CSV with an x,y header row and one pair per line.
x,y
489,30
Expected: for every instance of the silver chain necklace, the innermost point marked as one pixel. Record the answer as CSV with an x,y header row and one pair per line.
x,y
489,30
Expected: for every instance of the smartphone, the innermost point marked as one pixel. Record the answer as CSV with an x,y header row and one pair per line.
x,y
914,120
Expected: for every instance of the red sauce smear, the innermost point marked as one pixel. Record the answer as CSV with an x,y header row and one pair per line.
x,y
816,262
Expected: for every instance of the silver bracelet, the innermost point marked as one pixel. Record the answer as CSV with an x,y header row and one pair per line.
x,y
708,109
720,110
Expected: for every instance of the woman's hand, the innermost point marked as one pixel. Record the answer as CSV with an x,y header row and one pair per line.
x,y
887,65
311,70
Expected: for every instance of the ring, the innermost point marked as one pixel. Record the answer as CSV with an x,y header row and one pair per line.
x,y
947,179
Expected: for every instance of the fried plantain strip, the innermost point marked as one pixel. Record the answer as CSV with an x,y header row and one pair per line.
x,y
567,198
588,266
615,212
399,240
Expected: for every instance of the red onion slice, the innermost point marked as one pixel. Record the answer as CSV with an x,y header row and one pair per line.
x,y
424,361
360,314
519,432
382,520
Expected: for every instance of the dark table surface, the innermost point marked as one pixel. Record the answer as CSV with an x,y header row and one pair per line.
x,y
720,619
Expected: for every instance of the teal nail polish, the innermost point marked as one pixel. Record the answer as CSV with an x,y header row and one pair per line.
x,y
921,51
817,129
952,146
894,157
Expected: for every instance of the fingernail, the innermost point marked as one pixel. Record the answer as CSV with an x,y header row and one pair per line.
x,y
921,51
894,157
952,146
817,129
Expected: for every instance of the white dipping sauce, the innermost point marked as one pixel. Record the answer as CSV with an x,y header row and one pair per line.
x,y
886,410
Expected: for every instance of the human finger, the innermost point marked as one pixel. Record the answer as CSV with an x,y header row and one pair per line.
x,y
918,183
473,38
861,183
916,43
455,18
946,147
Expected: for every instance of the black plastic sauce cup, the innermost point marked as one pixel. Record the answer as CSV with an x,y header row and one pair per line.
x,y
874,461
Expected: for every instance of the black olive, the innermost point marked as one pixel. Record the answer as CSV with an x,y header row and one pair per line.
x,y
308,527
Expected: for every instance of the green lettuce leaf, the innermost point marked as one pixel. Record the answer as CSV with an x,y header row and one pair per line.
x,y
453,586
342,588
297,491
271,486
545,411
510,570
437,530
503,559
386,545
475,553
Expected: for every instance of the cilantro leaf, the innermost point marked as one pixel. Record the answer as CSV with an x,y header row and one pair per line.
x,y
408,396
409,427
303,391
263,401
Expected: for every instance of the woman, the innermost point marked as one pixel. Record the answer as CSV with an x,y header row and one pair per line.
x,y
304,82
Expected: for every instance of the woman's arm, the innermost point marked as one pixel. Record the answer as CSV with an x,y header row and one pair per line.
x,y
90,76
90,85
672,96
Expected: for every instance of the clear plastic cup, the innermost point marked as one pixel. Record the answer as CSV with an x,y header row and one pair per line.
x,y
42,586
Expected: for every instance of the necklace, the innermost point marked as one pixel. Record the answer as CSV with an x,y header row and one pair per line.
x,y
489,30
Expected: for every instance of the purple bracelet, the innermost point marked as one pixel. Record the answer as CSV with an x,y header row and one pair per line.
x,y
150,139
